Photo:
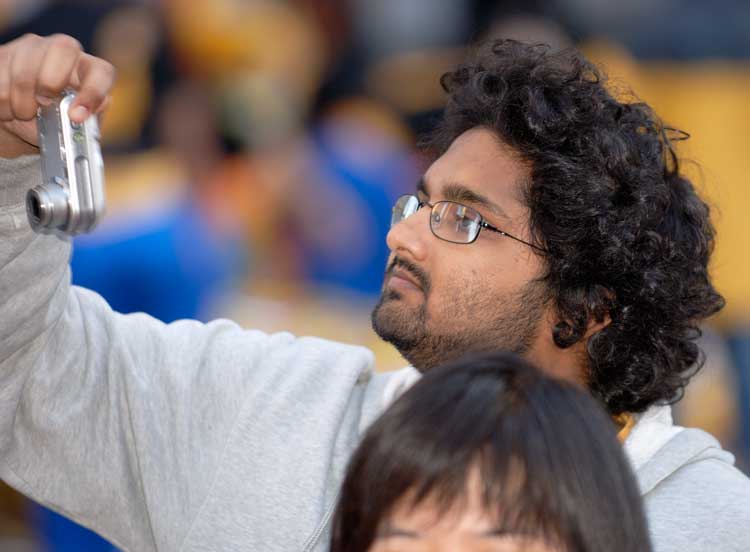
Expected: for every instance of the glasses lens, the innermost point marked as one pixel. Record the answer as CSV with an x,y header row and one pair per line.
x,y
405,206
454,222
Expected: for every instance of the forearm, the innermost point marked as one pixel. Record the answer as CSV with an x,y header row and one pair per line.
x,y
105,417
57,415
34,275
96,408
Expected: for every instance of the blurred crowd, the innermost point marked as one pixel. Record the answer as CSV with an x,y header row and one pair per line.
x,y
254,148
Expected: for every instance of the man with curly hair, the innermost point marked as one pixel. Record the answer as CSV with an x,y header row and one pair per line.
x,y
554,223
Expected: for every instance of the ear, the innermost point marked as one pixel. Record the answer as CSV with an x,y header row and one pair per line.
x,y
595,325
597,302
600,302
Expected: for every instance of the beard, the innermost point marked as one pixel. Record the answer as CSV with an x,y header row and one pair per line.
x,y
472,322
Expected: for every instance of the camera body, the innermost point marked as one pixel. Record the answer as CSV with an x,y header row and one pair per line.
x,y
70,199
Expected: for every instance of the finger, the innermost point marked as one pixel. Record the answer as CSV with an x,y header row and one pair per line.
x,y
24,69
6,113
97,78
57,66
102,112
104,106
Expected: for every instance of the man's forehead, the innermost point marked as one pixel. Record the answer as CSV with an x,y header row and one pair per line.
x,y
479,162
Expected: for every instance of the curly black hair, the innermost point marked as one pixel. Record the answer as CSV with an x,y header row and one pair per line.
x,y
627,236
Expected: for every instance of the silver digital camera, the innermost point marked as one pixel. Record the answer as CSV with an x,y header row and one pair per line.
x,y
70,199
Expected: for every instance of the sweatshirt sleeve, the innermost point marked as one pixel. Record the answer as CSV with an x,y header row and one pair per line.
x,y
117,421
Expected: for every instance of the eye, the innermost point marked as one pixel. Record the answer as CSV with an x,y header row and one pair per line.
x,y
437,217
463,218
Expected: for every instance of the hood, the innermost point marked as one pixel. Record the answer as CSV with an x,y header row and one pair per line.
x,y
657,448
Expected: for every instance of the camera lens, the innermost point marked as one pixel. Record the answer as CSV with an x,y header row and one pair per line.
x,y
47,207
35,208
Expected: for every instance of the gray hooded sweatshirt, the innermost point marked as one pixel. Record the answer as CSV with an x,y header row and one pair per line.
x,y
195,437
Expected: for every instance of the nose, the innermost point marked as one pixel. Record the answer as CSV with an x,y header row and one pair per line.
x,y
409,238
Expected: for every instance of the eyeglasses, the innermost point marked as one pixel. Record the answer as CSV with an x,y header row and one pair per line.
x,y
449,221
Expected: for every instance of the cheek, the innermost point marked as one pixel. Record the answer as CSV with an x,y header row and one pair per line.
x,y
504,269
455,294
464,290
521,267
475,274
471,279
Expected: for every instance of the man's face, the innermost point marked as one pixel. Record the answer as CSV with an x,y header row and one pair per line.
x,y
441,299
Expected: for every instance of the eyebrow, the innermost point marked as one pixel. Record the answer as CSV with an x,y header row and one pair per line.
x,y
391,531
500,532
461,194
497,533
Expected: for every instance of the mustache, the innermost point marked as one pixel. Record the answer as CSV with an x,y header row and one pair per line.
x,y
419,275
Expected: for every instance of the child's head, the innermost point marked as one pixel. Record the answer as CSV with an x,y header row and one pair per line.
x,y
488,454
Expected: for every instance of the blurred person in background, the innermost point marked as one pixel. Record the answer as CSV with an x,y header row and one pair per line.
x,y
486,454
170,258
599,274
357,163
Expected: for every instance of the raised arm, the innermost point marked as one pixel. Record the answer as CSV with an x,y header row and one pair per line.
x,y
116,421
99,415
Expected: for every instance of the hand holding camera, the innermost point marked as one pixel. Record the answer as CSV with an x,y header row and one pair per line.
x,y
70,198
35,72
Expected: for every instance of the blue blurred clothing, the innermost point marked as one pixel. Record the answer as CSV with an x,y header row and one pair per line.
x,y
58,534
739,345
353,204
169,264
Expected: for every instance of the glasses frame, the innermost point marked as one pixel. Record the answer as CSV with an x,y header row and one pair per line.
x,y
482,223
